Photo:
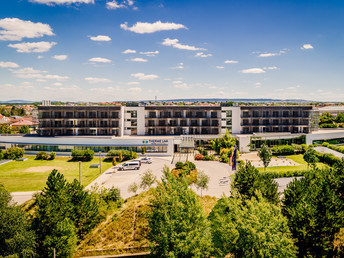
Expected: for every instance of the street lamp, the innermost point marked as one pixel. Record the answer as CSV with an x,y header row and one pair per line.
x,y
100,163
80,172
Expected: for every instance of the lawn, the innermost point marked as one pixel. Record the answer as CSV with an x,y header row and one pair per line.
x,y
298,159
32,174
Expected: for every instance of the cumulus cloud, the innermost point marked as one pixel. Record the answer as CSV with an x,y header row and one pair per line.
x,y
272,54
307,46
113,5
253,70
33,47
57,84
100,38
181,85
129,51
99,60
30,73
97,80
138,59
135,90
271,68
60,57
14,29
174,43
150,53
143,77
8,65
201,54
52,2
219,67
145,27
179,66
231,62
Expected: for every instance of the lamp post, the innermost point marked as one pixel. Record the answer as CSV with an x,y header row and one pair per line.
x,y
100,163
80,172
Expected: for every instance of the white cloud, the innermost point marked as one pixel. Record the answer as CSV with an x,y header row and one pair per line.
x,y
142,76
57,84
181,85
145,27
219,67
253,70
272,54
179,66
150,53
52,2
36,47
14,29
30,73
231,62
97,80
129,51
135,90
271,68
60,57
8,65
307,46
99,60
40,57
174,43
114,5
138,59
133,83
201,54
100,38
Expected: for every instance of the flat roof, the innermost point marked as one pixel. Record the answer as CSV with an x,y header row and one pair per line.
x,y
86,141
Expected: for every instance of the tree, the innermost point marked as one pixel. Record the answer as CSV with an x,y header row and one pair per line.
x,y
143,151
177,222
315,211
265,155
25,129
133,188
42,155
310,157
340,118
5,128
202,181
16,237
120,158
13,153
250,228
147,179
247,182
63,211
227,141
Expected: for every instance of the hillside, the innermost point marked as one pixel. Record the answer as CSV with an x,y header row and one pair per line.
x,y
125,230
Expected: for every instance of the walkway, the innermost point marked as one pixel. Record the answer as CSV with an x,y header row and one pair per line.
x,y
322,149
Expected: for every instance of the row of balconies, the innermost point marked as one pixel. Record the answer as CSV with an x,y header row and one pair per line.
x,y
275,124
84,117
275,116
204,116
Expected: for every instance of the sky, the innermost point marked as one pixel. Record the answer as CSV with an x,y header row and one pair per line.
x,y
118,50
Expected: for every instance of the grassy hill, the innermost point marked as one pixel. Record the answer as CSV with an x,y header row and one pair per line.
x,y
125,229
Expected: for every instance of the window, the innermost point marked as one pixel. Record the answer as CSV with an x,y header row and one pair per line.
x,y
229,113
114,115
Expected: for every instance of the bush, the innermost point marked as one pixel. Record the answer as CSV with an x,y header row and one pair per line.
x,y
111,195
1,155
82,155
283,150
125,154
52,155
179,165
291,173
13,153
189,165
202,151
211,157
328,125
224,158
198,157
42,155
114,162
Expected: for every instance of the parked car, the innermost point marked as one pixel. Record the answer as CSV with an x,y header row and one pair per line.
x,y
146,160
129,165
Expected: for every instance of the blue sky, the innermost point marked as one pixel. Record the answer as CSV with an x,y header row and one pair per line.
x,y
95,50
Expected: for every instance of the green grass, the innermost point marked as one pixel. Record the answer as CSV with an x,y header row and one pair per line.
x,y
298,159
19,176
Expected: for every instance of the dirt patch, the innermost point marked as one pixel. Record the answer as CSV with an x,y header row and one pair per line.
x,y
42,169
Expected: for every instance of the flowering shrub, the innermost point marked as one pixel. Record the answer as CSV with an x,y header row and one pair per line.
x,y
198,157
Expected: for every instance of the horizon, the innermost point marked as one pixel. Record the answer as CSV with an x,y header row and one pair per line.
x,y
101,51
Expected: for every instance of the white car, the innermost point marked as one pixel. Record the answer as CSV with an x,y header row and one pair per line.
x,y
129,165
146,160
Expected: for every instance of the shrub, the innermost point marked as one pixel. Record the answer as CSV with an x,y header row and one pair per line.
x,y
114,162
143,151
122,155
82,155
52,155
211,157
42,155
224,158
202,151
179,165
13,153
198,157
291,173
189,165
1,155
283,150
226,151
111,195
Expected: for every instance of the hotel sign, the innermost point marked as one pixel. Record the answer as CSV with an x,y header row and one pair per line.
x,y
155,141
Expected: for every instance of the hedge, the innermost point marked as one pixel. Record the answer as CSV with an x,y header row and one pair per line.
x,y
292,173
127,155
82,155
13,153
333,147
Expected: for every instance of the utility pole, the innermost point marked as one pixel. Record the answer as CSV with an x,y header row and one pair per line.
x,y
80,172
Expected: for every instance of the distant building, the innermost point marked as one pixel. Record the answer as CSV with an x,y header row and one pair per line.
x,y
4,120
333,110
